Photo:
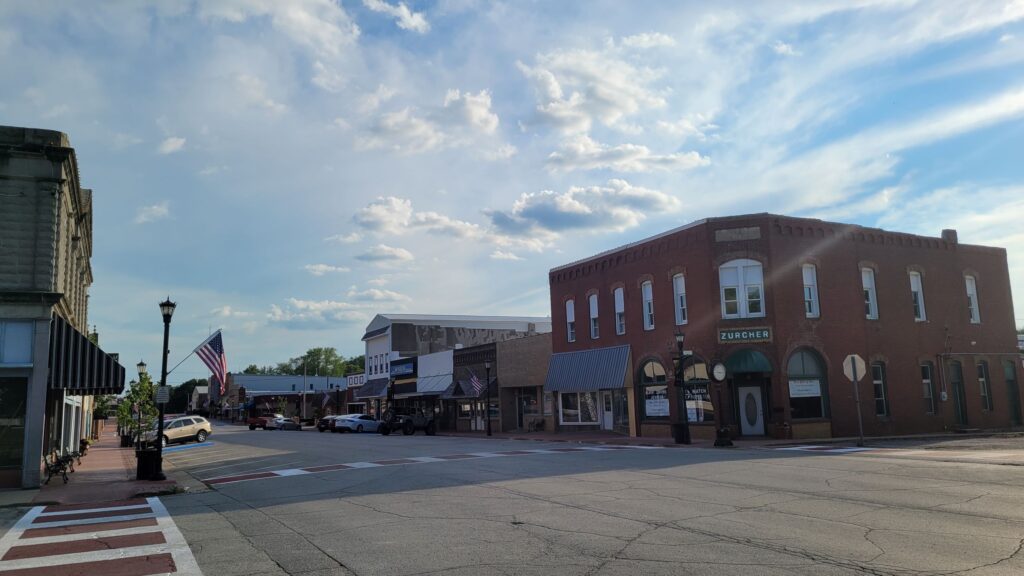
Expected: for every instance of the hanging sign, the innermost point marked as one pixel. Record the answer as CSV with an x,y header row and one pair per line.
x,y
163,394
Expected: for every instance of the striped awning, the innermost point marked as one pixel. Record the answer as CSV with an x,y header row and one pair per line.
x,y
79,366
588,370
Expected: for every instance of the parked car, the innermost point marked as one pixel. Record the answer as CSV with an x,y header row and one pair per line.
x,y
181,429
262,420
333,426
356,423
282,423
324,423
408,420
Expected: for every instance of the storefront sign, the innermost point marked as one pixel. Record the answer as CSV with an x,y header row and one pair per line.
x,y
804,388
745,335
404,369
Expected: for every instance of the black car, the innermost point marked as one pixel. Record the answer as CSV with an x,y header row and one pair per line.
x,y
324,423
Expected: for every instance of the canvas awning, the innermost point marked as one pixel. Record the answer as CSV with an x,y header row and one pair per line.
x,y
747,360
80,366
373,389
588,370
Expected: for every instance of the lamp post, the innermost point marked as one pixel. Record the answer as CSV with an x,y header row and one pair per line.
x,y
487,383
141,367
166,310
684,437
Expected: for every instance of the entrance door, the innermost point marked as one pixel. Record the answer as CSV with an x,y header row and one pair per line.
x,y
959,394
751,409
608,418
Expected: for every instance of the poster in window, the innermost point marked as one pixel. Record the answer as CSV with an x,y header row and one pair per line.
x,y
656,401
698,403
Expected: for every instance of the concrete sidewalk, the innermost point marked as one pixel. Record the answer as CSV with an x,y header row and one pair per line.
x,y
602,437
107,473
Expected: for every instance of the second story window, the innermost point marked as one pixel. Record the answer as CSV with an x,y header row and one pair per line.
x,y
811,309
620,312
647,291
742,285
917,296
679,290
867,279
594,328
570,320
972,299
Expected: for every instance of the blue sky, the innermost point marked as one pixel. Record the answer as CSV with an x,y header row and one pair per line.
x,y
285,170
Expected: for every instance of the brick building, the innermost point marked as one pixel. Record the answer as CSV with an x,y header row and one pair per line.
x,y
769,307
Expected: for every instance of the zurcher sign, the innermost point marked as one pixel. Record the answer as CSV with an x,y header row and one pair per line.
x,y
745,335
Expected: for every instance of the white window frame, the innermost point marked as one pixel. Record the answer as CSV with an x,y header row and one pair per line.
x,y
595,328
812,308
971,286
742,288
647,293
620,310
917,296
679,299
867,280
570,320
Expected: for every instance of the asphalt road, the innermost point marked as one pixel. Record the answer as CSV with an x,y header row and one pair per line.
x,y
631,511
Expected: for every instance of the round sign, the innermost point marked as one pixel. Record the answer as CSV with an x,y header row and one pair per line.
x,y
718,372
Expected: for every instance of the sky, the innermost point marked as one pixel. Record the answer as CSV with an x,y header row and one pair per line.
x,y
284,170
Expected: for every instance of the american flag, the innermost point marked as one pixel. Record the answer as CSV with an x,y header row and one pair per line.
x,y
211,352
475,383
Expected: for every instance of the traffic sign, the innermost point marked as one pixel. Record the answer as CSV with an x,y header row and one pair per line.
x,y
163,394
854,367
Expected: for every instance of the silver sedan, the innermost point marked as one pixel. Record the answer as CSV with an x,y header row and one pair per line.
x,y
356,423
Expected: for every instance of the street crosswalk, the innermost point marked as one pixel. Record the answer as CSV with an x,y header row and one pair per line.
x,y
126,538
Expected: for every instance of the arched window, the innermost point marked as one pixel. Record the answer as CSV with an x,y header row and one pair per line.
x,y
654,390
808,386
742,289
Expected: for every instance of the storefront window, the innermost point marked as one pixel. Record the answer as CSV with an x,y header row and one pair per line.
x,y
13,393
697,390
578,408
808,390
654,391
465,410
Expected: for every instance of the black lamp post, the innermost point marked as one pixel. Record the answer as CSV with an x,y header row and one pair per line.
x,y
487,382
167,310
683,437
141,367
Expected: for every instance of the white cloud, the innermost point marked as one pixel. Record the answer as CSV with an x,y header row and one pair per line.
x,y
327,78
171,145
350,238
124,140
405,19
304,314
583,153
322,26
386,215
602,85
697,127
229,312
322,269
783,49
371,102
153,213
378,281
383,253
612,208
503,152
213,169
504,255
460,121
648,40
254,91
376,295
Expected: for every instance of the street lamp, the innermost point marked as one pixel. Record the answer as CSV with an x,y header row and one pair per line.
x,y
141,367
684,436
166,310
487,382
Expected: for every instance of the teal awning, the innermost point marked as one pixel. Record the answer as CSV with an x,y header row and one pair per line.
x,y
746,361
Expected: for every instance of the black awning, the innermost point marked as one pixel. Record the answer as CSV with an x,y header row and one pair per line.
x,y
79,366
463,390
588,370
373,389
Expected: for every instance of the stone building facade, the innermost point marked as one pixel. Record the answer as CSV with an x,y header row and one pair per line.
x,y
779,303
49,367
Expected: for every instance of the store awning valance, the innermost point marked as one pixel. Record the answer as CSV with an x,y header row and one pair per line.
x,y
588,370
373,389
747,361
433,384
79,366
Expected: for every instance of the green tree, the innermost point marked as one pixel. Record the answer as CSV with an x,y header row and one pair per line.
x,y
143,395
315,362
103,406
254,369
181,393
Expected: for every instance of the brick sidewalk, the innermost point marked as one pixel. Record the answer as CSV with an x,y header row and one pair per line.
x,y
107,473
